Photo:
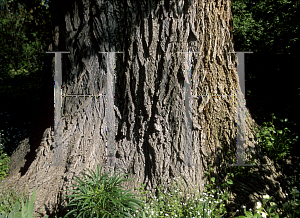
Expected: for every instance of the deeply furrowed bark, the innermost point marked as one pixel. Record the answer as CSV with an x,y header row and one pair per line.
x,y
149,99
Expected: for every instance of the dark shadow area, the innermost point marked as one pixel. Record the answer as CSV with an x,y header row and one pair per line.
x,y
27,112
59,210
272,86
244,186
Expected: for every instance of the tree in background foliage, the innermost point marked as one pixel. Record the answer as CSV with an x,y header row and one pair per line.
x,y
25,34
271,30
266,26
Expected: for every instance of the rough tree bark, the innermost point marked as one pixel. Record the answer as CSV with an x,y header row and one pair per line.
x,y
149,99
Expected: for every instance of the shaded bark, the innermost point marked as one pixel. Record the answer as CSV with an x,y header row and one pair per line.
x,y
149,100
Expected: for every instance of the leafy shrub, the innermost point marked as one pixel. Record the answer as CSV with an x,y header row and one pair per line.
x,y
102,196
276,144
4,160
20,48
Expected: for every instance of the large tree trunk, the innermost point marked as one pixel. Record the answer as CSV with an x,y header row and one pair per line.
x,y
150,96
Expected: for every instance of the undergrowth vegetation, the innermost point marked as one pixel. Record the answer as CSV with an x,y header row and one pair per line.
x,y
102,196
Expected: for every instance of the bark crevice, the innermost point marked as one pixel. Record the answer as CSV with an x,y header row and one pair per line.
x,y
149,95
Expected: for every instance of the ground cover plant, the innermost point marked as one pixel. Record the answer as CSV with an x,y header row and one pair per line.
x,y
102,196
26,211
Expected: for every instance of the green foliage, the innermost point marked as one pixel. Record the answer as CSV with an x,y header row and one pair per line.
x,y
178,205
102,196
162,205
266,26
292,209
269,28
9,201
261,210
23,37
17,51
14,213
211,191
275,143
25,33
244,24
25,212
4,160
240,171
8,198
